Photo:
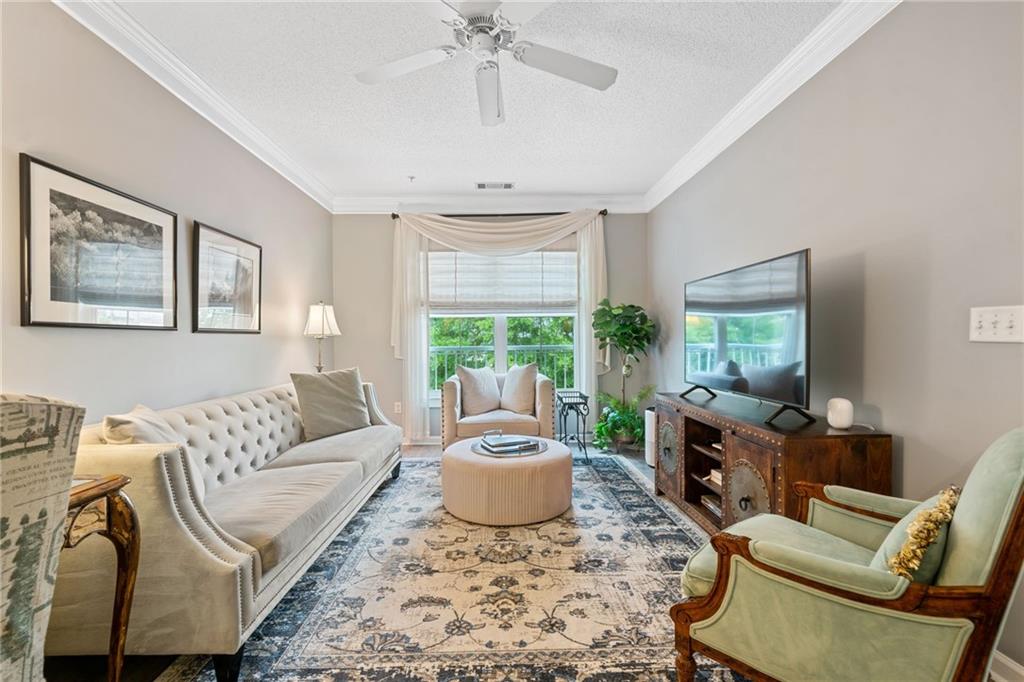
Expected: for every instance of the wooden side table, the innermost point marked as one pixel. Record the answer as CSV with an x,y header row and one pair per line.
x,y
98,504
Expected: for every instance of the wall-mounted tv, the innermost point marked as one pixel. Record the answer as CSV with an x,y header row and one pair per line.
x,y
748,331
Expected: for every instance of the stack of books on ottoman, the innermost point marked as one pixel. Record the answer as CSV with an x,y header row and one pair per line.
x,y
497,444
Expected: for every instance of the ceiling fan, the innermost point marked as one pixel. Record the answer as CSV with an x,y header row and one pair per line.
x,y
485,36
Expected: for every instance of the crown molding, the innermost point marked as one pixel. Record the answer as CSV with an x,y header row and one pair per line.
x,y
838,31
496,202
119,29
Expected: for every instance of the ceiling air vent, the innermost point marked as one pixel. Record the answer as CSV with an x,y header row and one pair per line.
x,y
495,185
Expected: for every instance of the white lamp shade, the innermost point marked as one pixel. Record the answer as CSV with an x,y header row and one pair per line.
x,y
321,321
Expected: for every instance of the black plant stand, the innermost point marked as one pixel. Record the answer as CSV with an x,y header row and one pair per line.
x,y
574,404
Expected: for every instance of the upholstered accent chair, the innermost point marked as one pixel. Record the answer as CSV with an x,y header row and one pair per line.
x,y
457,426
797,600
38,441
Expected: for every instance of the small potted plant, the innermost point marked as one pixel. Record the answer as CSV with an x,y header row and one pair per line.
x,y
628,330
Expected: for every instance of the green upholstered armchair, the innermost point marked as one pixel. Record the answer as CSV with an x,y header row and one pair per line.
x,y
797,600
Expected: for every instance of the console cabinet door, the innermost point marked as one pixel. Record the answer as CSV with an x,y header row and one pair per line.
x,y
748,480
669,460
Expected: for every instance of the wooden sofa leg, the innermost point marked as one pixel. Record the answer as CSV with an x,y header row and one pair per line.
x,y
396,471
227,666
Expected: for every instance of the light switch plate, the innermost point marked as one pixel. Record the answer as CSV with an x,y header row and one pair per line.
x,y
998,324
398,408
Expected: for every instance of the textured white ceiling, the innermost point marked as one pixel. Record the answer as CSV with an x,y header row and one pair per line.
x,y
287,68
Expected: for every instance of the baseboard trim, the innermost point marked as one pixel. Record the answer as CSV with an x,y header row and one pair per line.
x,y
1005,669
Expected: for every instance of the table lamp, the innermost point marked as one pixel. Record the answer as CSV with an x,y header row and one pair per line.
x,y
321,324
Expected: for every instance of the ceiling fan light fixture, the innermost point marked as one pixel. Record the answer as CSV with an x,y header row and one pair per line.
x,y
485,37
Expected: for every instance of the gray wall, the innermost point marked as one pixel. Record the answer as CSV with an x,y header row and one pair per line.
x,y
70,99
362,294
900,166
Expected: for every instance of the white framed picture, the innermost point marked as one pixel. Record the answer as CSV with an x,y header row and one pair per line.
x,y
227,273
93,256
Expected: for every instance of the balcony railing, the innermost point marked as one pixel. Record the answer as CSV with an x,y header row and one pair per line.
x,y
702,357
554,361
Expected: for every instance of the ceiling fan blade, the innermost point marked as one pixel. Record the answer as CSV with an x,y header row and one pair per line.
x,y
443,11
488,93
400,67
566,65
516,14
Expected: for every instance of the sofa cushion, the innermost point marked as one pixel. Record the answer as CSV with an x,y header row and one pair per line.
x,y
278,511
699,575
480,391
508,422
332,402
519,392
369,447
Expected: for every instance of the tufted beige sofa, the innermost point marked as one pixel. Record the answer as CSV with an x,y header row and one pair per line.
x,y
229,522
456,426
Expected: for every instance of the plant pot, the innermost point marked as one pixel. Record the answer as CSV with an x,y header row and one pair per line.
x,y
621,439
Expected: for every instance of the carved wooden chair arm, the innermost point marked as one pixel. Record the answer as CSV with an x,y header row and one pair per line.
x,y
860,502
967,602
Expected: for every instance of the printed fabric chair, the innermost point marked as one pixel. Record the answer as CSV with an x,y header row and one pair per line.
x,y
780,599
38,441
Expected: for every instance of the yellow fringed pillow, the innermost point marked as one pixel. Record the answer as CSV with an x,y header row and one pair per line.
x,y
915,545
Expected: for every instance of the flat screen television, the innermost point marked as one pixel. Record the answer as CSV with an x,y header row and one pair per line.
x,y
748,331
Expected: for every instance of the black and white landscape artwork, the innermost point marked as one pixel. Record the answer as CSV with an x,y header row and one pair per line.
x,y
226,282
102,257
97,257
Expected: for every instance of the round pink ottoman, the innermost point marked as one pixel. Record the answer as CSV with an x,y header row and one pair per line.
x,y
506,491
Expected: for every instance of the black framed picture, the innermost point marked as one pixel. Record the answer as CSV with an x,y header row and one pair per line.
x,y
227,275
93,256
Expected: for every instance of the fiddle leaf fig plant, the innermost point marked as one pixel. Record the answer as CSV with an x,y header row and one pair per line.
x,y
628,330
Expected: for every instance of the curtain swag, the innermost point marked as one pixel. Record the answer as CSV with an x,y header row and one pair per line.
x,y
410,310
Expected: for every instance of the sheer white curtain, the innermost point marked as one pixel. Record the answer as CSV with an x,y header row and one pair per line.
x,y
409,304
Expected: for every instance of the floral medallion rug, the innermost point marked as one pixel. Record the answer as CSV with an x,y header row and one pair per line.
x,y
407,592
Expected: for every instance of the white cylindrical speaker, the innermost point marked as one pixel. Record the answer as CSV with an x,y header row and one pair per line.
x,y
650,435
840,413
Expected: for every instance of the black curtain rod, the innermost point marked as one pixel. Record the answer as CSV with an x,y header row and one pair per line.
x,y
603,211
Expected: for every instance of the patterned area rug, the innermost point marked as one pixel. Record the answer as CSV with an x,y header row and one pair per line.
x,y
408,592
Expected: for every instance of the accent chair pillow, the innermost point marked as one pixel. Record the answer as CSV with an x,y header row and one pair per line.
x,y
520,390
479,390
141,425
915,546
331,403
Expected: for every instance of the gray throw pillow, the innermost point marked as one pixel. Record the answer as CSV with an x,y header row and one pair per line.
x,y
480,392
331,403
778,383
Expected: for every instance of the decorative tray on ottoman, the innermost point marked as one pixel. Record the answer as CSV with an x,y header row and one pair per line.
x,y
494,444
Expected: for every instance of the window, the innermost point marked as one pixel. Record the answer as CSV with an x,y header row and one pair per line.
x,y
499,312
500,341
